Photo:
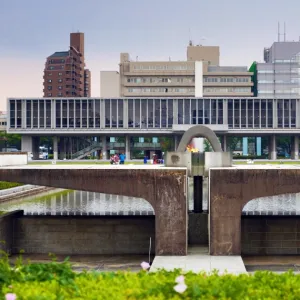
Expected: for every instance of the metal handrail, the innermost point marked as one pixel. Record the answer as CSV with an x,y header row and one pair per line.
x,y
86,149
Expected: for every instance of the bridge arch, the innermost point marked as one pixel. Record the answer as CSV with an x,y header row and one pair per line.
x,y
163,189
199,131
231,190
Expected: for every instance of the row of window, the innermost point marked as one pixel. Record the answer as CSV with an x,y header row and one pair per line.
x,y
56,61
227,90
52,95
200,111
50,74
274,71
56,67
227,79
161,90
151,113
259,113
164,67
288,81
59,80
60,87
295,91
160,79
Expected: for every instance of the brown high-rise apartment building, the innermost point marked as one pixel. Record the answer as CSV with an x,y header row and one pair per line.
x,y
64,74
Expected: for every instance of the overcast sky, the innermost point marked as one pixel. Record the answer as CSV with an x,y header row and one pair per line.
x,y
31,30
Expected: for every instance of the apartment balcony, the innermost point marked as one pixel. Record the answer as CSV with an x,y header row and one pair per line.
x,y
228,84
158,84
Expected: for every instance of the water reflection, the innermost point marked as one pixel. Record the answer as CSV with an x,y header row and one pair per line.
x,y
89,203
81,203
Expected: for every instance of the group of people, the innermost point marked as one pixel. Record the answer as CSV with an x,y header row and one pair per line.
x,y
117,159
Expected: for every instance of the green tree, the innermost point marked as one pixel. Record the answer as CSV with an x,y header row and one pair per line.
x,y
167,144
207,146
233,142
10,140
285,143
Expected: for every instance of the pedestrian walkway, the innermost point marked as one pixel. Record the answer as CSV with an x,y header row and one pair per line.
x,y
198,260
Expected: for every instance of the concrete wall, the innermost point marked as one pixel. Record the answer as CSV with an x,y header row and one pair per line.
x,y
13,159
6,230
271,235
109,84
84,235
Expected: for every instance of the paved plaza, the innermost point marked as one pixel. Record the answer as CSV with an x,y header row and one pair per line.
x,y
198,260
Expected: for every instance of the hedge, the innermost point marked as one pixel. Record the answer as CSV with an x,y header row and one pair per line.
x,y
8,185
58,281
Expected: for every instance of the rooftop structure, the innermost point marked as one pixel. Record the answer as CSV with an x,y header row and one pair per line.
x,y
197,76
279,76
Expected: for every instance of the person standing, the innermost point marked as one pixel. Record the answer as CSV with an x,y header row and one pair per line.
x,y
122,159
145,160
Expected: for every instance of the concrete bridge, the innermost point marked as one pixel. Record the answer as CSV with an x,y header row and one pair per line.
x,y
165,189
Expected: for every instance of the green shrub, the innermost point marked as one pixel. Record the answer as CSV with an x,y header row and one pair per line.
x,y
50,156
8,185
58,281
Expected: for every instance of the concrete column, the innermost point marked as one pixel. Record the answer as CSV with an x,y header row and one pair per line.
x,y
35,147
225,112
23,114
224,143
102,113
176,142
295,147
26,143
62,148
175,111
258,146
127,147
245,146
55,148
272,147
104,147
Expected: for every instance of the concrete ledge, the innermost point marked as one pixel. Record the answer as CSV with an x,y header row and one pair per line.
x,y
18,189
13,158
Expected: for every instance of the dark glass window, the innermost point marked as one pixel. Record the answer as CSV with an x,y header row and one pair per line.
x,y
130,113
107,113
12,111
170,113
28,113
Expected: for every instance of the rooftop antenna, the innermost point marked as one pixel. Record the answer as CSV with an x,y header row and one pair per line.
x,y
278,32
190,38
284,34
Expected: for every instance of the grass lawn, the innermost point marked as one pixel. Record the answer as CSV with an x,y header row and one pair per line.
x,y
266,162
100,162
85,162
